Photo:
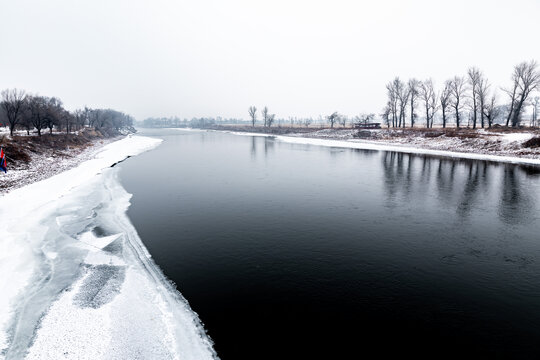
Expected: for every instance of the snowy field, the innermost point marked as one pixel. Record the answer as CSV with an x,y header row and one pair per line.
x,y
77,282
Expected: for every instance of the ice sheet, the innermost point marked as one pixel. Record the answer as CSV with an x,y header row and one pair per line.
x,y
77,281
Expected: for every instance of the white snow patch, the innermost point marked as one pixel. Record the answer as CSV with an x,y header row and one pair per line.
x,y
372,145
517,137
20,210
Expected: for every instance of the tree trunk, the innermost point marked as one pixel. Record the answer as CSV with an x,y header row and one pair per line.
x,y
474,112
443,118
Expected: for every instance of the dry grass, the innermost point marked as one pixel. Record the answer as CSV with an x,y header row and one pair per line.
x,y
19,149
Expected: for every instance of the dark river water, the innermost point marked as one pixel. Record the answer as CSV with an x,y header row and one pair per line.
x,y
290,251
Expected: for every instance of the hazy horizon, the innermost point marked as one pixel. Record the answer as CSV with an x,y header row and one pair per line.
x,y
212,58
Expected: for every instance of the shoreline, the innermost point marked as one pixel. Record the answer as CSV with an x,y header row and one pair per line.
x,y
44,166
17,204
418,145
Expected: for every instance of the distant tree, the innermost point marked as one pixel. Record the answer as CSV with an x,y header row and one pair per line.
x,y
525,79
38,111
333,118
94,116
264,113
13,105
402,92
343,120
53,112
536,103
364,119
445,100
474,76
413,89
253,114
483,88
429,98
69,120
386,114
80,118
308,121
392,103
270,119
26,117
491,110
457,91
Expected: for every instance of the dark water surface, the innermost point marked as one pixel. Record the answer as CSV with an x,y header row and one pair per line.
x,y
296,251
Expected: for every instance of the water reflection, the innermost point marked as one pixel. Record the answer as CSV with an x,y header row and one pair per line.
x,y
465,185
268,145
515,203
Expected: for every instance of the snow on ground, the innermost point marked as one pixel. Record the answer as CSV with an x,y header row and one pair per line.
x,y
77,281
360,144
517,137
45,165
21,206
481,145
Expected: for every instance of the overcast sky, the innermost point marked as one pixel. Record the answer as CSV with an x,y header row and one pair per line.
x,y
216,58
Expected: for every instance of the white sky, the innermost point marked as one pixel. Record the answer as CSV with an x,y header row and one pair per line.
x,y
216,58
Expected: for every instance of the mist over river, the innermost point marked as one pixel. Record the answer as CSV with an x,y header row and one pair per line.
x,y
298,251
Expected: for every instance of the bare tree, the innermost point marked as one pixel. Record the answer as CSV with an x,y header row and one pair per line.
x,y
457,91
402,93
491,110
333,118
12,103
364,119
392,101
483,88
343,120
265,115
53,113
429,98
413,90
270,119
474,76
386,114
253,114
80,118
445,100
536,103
26,117
38,111
526,79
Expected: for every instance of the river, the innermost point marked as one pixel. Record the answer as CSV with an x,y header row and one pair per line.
x,y
300,251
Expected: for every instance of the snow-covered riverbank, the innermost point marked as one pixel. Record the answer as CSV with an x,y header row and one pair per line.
x,y
77,281
45,162
480,145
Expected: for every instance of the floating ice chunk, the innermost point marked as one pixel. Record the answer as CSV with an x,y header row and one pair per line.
x,y
98,243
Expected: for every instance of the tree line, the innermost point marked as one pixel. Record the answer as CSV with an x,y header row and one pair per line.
x,y
460,96
20,110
